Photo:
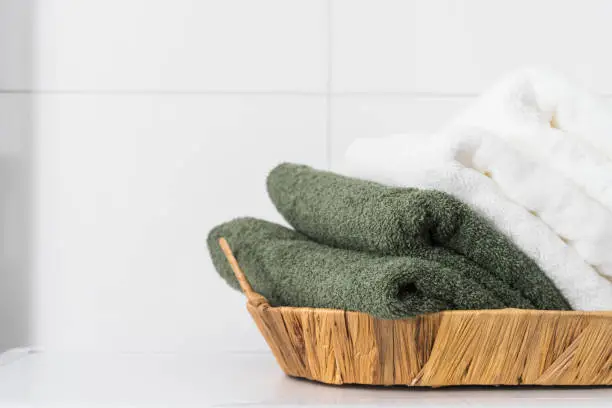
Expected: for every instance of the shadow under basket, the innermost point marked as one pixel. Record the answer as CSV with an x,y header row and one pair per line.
x,y
451,348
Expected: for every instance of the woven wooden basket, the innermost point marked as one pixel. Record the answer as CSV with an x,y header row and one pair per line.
x,y
484,347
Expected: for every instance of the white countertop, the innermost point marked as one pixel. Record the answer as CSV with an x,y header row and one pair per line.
x,y
92,380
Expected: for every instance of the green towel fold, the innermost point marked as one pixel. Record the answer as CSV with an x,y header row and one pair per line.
x,y
291,270
359,215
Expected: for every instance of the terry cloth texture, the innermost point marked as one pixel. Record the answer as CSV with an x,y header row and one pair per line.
x,y
359,215
554,122
583,222
290,270
434,162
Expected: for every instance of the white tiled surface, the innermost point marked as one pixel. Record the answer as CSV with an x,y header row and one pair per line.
x,y
359,116
16,38
460,46
15,169
129,188
187,45
67,380
15,124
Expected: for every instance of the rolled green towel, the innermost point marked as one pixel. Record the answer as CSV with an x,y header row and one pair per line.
x,y
360,215
291,270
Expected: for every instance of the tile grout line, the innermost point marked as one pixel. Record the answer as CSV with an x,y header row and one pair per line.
x,y
328,98
328,93
160,92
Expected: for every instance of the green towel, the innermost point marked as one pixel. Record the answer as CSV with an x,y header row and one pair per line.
x,y
291,270
359,215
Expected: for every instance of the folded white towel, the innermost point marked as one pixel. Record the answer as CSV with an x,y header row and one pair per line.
x,y
578,219
433,163
552,121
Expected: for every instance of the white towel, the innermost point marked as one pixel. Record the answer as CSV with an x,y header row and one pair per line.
x,y
552,121
435,163
581,221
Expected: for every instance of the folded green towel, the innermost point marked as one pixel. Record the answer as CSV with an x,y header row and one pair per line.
x,y
360,215
291,270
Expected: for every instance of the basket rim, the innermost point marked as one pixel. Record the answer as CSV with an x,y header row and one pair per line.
x,y
504,311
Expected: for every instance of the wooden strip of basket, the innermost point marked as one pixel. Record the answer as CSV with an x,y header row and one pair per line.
x,y
486,347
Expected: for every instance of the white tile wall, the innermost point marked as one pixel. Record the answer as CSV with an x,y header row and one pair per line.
x,y
460,46
156,119
15,200
186,45
16,42
358,116
15,122
129,188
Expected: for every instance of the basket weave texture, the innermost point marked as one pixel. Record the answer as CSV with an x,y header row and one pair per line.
x,y
484,347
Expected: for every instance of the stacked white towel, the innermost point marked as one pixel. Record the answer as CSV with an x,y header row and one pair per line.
x,y
554,122
494,157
